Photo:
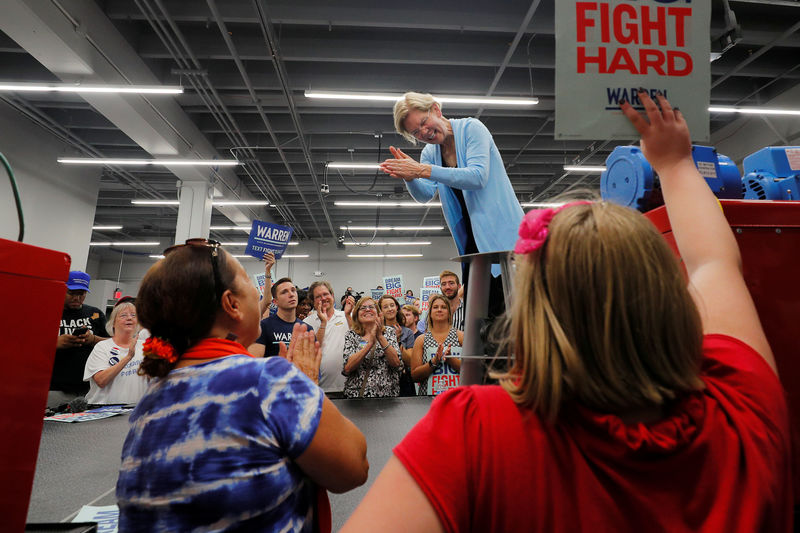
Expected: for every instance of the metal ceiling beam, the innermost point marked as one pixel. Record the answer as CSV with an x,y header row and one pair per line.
x,y
280,69
211,98
76,41
245,77
523,27
758,53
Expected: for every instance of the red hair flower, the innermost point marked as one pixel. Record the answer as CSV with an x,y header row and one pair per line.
x,y
534,228
156,348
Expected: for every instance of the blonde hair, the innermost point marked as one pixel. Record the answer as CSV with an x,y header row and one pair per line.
x,y
420,101
358,327
432,298
115,312
413,308
601,315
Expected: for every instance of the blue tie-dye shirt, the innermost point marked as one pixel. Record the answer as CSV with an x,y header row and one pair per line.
x,y
211,448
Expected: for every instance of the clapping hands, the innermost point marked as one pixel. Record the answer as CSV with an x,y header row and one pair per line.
x,y
304,352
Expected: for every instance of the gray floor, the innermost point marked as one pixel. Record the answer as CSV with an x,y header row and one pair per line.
x,y
78,463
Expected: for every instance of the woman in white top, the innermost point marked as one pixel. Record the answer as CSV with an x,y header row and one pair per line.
x,y
112,367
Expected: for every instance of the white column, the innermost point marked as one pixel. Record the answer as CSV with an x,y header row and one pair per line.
x,y
194,213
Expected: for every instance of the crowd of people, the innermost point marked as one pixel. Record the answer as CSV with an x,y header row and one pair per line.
x,y
637,397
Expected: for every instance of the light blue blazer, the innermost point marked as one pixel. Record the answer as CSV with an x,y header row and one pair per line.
x,y
493,207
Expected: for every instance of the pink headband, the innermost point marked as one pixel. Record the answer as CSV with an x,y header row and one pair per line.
x,y
533,230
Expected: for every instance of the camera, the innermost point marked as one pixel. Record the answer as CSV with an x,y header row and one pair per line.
x,y
356,295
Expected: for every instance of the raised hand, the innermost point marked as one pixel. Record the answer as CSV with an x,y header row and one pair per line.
x,y
349,302
399,154
304,352
665,136
404,167
269,262
322,313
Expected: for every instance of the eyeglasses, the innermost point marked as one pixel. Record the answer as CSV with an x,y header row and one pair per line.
x,y
127,315
365,307
214,247
417,131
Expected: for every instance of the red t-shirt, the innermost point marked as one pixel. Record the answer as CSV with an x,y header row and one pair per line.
x,y
719,462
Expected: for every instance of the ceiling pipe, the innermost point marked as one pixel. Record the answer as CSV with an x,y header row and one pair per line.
x,y
251,90
510,52
555,181
283,77
213,102
41,119
758,53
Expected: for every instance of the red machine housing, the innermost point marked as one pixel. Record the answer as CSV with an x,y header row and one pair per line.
x,y
34,282
768,234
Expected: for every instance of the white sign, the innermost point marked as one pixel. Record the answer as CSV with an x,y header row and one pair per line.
x,y
393,285
107,517
607,49
443,378
430,282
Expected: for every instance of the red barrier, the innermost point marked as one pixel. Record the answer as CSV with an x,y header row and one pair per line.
x,y
768,234
33,282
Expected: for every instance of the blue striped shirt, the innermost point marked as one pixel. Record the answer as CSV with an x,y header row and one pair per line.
x,y
211,448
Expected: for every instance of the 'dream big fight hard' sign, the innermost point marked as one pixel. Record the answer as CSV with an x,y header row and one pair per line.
x,y
606,50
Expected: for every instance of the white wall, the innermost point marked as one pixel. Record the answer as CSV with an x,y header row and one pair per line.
x,y
58,201
340,271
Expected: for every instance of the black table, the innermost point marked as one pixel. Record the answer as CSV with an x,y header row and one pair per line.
x,y
78,463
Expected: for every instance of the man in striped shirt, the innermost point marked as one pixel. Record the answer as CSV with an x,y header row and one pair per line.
x,y
449,285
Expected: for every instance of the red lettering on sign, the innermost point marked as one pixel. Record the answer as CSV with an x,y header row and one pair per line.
x,y
680,14
583,21
673,63
651,58
659,24
604,37
622,61
672,59
625,32
599,59
631,24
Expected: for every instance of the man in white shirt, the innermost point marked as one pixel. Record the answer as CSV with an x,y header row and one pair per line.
x,y
331,326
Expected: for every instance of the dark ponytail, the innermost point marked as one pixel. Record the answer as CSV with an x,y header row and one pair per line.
x,y
178,303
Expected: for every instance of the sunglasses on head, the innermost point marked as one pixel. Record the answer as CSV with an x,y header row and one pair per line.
x,y
212,245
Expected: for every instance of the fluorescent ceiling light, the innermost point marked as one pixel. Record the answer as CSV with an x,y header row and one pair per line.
x,y
387,204
753,110
383,255
294,256
215,203
234,243
106,227
144,162
77,88
372,166
156,243
391,228
238,202
383,97
156,256
384,243
156,202
542,205
230,228
582,168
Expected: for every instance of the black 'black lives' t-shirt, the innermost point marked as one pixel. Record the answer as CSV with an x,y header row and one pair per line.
x,y
70,362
